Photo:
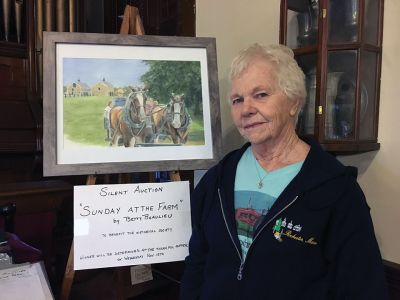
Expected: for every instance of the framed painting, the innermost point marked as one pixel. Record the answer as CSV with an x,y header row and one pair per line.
x,y
123,103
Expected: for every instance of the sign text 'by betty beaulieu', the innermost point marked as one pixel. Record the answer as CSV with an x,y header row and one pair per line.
x,y
130,224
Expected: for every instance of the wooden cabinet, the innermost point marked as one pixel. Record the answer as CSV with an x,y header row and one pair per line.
x,y
20,113
338,44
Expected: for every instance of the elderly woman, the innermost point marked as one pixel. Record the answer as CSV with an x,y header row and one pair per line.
x,y
279,218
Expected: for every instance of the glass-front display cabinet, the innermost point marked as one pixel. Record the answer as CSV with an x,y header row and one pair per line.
x,y
338,44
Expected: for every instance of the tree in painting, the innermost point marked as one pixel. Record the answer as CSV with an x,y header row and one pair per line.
x,y
166,77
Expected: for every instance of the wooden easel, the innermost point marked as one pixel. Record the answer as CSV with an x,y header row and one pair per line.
x,y
131,24
69,269
131,21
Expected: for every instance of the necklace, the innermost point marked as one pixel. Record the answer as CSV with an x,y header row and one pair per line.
x,y
260,184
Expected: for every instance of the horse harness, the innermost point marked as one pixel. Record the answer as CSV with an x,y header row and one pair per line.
x,y
184,112
134,127
170,115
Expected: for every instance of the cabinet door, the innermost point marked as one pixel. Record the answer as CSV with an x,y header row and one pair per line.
x,y
372,13
338,44
341,93
301,23
306,122
343,20
369,83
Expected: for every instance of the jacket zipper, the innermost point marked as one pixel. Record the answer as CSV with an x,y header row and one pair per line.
x,y
242,261
230,234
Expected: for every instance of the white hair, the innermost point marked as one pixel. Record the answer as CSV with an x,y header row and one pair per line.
x,y
290,77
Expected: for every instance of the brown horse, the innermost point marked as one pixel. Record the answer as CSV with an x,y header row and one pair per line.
x,y
172,119
128,122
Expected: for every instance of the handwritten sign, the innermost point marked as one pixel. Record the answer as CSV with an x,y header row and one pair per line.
x,y
130,224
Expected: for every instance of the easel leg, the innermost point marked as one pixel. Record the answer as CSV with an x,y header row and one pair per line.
x,y
69,269
175,176
119,273
91,179
68,275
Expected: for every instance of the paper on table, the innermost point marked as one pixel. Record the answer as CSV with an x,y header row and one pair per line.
x,y
141,274
25,282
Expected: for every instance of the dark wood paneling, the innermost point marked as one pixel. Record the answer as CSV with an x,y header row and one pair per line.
x,y
36,196
187,18
159,17
18,167
16,115
21,113
392,271
12,49
12,140
12,78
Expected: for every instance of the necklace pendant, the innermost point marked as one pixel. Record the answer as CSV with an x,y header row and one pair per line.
x,y
260,185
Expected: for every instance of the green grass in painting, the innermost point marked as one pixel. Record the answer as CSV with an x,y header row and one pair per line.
x,y
83,121
196,132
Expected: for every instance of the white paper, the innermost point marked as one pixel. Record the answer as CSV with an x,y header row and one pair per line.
x,y
24,282
131,224
141,274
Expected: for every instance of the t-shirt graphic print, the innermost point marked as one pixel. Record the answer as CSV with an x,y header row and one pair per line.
x,y
252,199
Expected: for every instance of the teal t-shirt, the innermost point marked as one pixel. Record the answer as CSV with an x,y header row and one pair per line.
x,y
253,201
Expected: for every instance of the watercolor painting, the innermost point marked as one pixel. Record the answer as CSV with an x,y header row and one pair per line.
x,y
130,102
124,103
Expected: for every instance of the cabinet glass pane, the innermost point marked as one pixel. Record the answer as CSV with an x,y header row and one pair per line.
x,y
371,21
340,94
343,21
368,95
302,23
306,120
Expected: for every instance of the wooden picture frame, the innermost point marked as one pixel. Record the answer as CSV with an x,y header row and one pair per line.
x,y
117,103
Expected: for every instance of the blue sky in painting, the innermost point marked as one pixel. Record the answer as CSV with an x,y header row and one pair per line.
x,y
119,72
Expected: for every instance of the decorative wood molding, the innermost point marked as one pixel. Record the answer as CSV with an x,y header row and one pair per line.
x,y
35,196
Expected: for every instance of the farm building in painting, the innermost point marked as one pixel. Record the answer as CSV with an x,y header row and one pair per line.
x,y
78,89
103,88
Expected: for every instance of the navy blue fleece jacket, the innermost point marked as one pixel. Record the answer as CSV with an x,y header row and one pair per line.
x,y
334,255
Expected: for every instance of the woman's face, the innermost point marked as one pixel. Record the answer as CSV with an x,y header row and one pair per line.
x,y
260,110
